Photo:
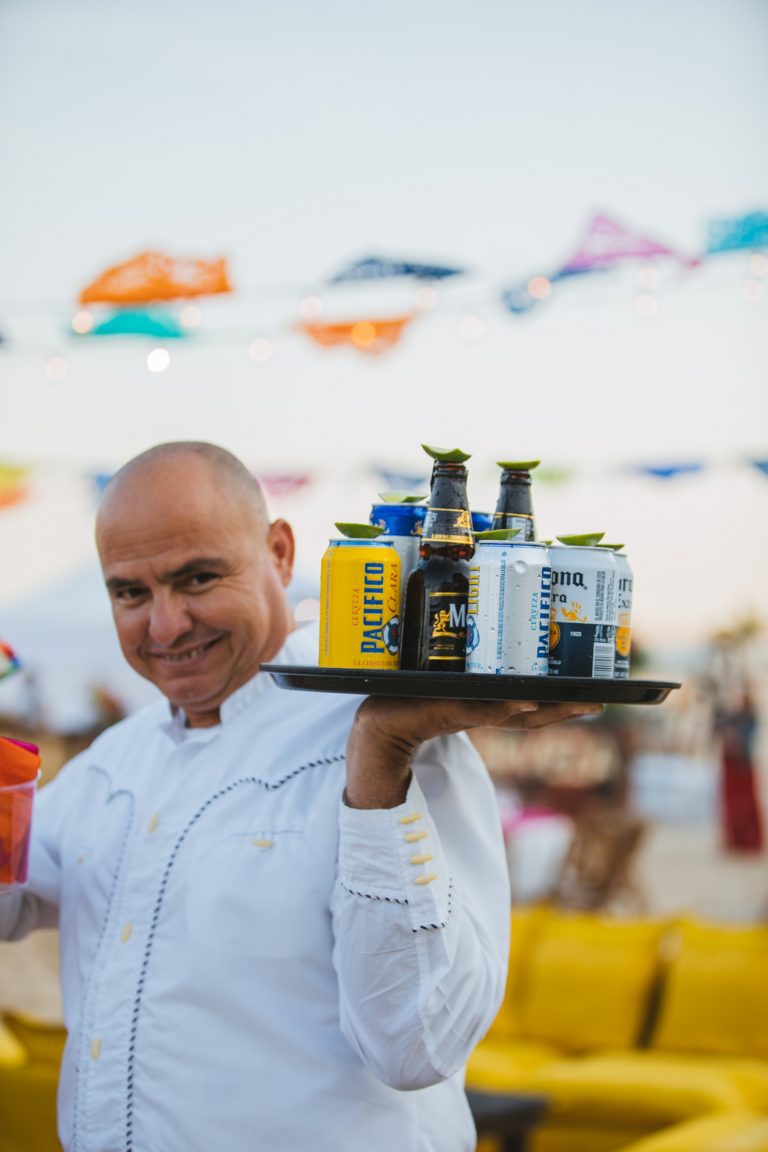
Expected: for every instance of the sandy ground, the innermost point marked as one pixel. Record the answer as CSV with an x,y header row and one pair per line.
x,y
681,868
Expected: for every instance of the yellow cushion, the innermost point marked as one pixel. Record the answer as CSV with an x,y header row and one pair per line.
x,y
526,923
506,1065
42,1039
728,1132
648,1088
12,1052
588,980
716,993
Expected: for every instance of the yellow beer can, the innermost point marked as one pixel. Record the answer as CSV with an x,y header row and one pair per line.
x,y
359,605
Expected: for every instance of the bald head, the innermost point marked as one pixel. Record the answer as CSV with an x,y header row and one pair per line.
x,y
154,468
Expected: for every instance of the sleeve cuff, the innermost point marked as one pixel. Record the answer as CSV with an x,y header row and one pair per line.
x,y
395,854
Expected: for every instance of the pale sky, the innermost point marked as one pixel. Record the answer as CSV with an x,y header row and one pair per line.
x,y
293,136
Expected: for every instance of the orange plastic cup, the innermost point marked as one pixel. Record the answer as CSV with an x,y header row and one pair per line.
x,y
16,802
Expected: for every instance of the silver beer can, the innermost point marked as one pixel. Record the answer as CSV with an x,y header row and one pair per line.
x,y
624,582
582,638
508,609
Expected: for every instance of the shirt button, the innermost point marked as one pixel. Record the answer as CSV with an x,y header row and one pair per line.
x,y
95,1049
125,935
153,823
258,842
412,837
414,816
426,879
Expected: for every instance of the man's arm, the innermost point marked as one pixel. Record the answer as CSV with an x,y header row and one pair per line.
x,y
422,904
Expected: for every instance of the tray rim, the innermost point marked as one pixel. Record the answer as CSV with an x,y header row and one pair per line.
x,y
545,689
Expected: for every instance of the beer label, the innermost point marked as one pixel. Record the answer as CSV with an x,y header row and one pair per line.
x,y
359,607
449,526
582,639
447,629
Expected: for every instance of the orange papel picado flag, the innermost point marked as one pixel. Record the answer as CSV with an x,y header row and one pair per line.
x,y
371,336
157,276
13,484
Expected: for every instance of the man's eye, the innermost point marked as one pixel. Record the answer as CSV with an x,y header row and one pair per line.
x,y
200,579
129,595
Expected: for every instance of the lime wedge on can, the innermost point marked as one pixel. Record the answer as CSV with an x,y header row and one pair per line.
x,y
446,455
401,497
497,534
518,465
359,531
585,540
613,547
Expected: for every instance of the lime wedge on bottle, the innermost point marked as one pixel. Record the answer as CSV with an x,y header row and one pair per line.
x,y
446,455
613,547
518,465
359,531
402,497
585,540
497,534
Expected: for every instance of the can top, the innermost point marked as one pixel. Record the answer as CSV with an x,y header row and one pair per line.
x,y
378,542
510,544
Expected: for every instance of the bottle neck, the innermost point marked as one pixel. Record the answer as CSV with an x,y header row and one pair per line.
x,y
447,522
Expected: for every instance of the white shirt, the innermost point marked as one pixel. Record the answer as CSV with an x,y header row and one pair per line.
x,y
246,962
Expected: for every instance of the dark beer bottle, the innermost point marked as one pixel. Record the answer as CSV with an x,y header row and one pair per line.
x,y
514,507
434,628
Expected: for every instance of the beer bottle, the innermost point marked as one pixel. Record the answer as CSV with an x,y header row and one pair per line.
x,y
514,507
434,628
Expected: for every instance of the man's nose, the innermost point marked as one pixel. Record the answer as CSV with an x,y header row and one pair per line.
x,y
169,618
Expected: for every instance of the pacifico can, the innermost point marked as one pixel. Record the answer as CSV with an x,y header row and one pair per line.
x,y
508,609
402,524
582,635
359,605
624,581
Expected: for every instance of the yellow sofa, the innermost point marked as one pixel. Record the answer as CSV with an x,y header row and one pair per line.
x,y
631,1027
30,1054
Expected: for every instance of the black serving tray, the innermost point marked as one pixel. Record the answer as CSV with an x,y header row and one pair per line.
x,y
469,686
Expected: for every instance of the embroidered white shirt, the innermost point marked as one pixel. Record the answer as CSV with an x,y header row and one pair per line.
x,y
246,962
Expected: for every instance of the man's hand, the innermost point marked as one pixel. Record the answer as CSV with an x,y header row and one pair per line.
x,y
387,733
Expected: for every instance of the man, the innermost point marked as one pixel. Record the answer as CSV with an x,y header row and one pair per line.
x,y
283,916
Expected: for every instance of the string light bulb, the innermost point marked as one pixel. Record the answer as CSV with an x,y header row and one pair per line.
x,y
261,350
82,322
55,369
158,359
539,287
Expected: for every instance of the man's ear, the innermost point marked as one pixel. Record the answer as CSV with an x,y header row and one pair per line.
x,y
282,546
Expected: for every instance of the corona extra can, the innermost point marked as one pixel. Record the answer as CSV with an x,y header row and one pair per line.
x,y
402,524
359,605
582,634
624,582
508,609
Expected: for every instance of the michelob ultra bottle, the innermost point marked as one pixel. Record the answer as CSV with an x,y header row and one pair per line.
x,y
434,627
514,507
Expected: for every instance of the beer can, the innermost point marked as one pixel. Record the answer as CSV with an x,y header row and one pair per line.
x,y
508,609
482,521
402,524
624,582
359,605
582,635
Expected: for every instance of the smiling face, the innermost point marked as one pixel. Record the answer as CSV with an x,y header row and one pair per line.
x,y
196,577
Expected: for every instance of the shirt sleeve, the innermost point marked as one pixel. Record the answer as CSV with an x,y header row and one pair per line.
x,y
421,912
